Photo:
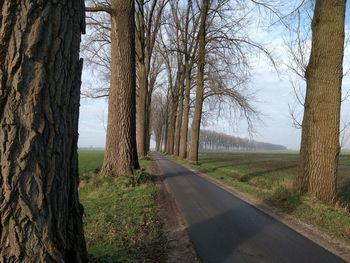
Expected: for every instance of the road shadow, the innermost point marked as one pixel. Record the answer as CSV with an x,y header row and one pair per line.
x,y
244,234
223,228
218,239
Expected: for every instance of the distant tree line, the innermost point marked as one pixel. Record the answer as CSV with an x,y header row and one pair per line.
x,y
214,141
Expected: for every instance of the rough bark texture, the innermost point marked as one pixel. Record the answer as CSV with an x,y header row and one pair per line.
x,y
120,154
40,71
197,115
320,134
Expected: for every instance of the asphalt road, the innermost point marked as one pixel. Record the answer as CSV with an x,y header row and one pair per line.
x,y
224,228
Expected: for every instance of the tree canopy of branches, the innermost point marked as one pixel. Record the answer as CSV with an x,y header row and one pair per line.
x,y
205,47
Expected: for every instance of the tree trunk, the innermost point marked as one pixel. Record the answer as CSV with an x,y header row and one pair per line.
x,y
158,137
179,117
171,128
148,118
197,116
142,98
320,134
166,127
185,115
161,142
120,154
40,71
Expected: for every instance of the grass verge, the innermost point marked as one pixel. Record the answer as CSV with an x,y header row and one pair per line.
x,y
120,219
269,177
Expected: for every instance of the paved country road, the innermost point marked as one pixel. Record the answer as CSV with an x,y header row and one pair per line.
x,y
223,228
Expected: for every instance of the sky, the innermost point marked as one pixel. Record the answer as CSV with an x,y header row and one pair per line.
x,y
273,95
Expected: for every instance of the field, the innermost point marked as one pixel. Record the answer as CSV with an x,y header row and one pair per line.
x,y
120,218
121,224
267,170
90,161
269,176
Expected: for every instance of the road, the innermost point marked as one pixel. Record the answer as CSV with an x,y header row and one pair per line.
x,y
223,228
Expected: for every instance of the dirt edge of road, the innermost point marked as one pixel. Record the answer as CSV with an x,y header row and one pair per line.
x,y
178,247
337,247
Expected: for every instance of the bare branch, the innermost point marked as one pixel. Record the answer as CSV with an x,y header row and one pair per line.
x,y
98,8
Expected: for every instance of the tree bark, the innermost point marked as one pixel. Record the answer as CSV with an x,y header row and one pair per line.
x,y
142,98
185,115
40,71
166,128
320,128
171,127
197,116
120,154
148,23
148,114
158,137
175,94
179,116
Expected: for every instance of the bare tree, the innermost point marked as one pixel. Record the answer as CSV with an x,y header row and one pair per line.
x,y
120,154
225,65
148,19
40,78
320,127
158,121
190,42
97,50
196,122
214,141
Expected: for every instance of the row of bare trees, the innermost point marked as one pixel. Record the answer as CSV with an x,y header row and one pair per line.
x,y
181,48
215,141
198,50
204,60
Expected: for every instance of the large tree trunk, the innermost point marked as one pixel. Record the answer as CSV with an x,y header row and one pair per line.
x,y
40,71
320,134
185,114
142,98
120,154
197,116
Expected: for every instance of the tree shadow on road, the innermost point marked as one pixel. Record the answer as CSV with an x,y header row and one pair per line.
x,y
245,235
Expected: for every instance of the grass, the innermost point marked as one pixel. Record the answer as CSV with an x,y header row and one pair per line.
x,y
90,161
269,176
120,219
